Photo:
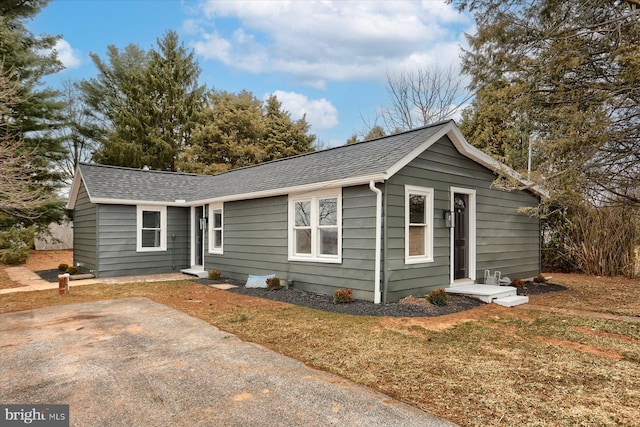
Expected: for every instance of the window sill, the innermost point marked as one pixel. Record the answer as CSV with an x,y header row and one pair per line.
x,y
317,260
413,261
216,252
151,249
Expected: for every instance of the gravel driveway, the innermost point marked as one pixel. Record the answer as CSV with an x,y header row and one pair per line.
x,y
136,362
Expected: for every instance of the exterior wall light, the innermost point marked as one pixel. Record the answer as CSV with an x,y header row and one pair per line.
x,y
447,216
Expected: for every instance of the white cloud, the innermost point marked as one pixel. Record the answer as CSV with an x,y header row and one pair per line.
x,y
320,41
69,57
320,113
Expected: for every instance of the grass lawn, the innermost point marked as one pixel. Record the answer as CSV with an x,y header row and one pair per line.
x,y
487,366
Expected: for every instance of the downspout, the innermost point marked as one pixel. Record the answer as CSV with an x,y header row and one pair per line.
x,y
385,248
376,295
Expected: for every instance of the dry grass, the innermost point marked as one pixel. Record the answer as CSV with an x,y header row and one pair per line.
x,y
617,295
488,366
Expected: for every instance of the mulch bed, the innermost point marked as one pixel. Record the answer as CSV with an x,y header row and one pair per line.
x,y
407,307
532,288
50,276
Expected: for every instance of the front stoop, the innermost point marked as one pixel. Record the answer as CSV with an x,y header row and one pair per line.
x,y
512,300
202,274
503,295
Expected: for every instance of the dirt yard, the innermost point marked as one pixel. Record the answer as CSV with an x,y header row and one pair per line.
x,y
38,260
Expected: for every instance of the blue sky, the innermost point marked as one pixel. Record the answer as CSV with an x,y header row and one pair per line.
x,y
326,59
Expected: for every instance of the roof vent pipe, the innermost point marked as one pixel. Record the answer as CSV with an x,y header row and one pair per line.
x,y
377,294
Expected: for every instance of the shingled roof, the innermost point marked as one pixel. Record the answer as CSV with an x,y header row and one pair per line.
x,y
352,164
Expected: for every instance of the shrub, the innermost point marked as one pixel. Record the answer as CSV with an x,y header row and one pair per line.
x,y
518,283
342,296
63,267
72,270
14,256
14,245
438,297
214,274
273,283
539,279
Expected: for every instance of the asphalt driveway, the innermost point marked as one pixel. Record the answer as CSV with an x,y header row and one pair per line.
x,y
136,362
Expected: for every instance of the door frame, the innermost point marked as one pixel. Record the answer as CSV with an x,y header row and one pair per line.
x,y
471,241
192,238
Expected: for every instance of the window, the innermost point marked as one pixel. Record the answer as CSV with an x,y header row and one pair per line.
x,y
315,222
215,229
151,227
418,224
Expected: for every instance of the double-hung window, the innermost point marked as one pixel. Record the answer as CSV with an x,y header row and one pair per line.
x,y
418,224
216,229
315,227
151,227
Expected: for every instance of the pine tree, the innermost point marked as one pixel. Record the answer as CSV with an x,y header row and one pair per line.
x,y
283,136
176,99
34,112
239,130
144,104
569,83
230,135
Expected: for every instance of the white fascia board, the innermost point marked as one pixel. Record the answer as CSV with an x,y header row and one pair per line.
x,y
419,150
486,160
106,201
75,189
467,150
306,188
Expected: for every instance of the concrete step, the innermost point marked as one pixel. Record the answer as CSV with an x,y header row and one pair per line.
x,y
512,300
485,293
200,273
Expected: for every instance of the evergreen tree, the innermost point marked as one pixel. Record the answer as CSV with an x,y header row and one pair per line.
x,y
34,112
566,76
495,123
176,99
145,104
229,135
374,133
21,199
239,130
114,100
284,137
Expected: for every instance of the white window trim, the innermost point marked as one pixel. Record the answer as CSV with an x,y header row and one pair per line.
x,y
212,208
163,227
428,193
314,197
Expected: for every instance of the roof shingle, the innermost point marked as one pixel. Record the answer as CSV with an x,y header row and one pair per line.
x,y
360,159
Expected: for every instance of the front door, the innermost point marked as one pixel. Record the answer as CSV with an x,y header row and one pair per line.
x,y
460,237
198,238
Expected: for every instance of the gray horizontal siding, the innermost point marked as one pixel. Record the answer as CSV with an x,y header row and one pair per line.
x,y
505,239
255,239
84,232
117,243
255,242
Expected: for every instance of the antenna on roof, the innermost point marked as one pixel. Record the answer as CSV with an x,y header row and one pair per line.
x,y
146,168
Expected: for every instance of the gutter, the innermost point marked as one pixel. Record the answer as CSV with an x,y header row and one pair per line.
x,y
372,186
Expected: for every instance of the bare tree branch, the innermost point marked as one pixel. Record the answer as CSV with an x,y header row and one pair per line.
x,y
20,195
422,96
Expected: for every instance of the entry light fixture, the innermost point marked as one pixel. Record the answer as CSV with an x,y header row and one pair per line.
x,y
447,216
